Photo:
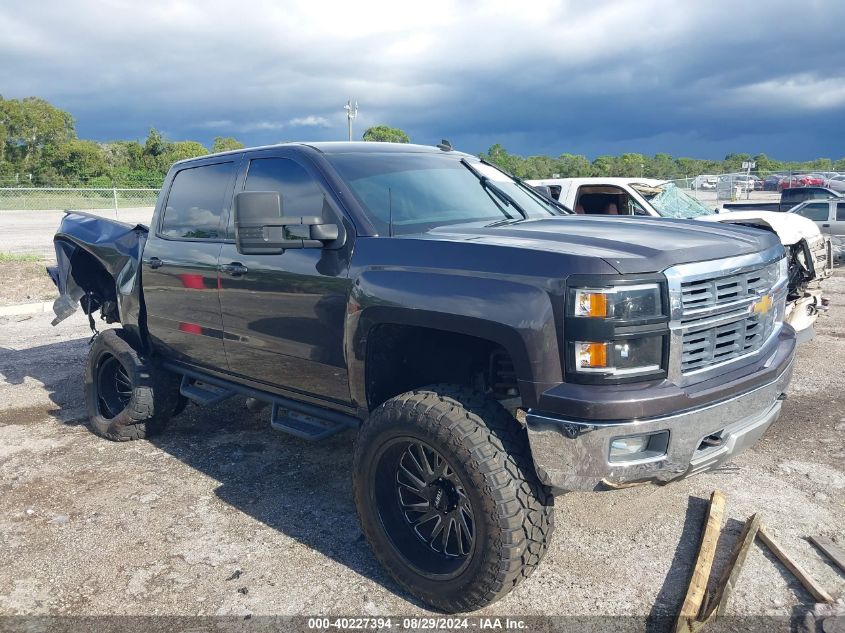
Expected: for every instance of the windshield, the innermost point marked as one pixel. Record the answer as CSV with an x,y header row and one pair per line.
x,y
671,202
421,191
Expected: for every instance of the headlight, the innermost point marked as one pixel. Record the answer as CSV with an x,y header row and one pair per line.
x,y
621,302
619,358
615,330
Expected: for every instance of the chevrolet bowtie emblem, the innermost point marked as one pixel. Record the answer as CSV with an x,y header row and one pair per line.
x,y
763,305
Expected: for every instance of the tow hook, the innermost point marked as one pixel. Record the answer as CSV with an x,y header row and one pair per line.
x,y
782,396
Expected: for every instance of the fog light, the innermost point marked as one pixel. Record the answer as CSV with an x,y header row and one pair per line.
x,y
638,447
626,446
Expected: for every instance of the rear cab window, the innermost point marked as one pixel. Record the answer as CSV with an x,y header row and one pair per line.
x,y
197,201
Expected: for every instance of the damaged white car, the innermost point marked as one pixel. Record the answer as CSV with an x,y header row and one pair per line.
x,y
809,251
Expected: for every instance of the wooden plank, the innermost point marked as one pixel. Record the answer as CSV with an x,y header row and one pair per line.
x,y
804,578
831,550
718,602
687,618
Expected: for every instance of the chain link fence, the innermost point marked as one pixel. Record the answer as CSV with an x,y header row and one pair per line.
x,y
757,185
60,198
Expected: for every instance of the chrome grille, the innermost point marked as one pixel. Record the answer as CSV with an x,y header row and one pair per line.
x,y
714,320
706,294
711,345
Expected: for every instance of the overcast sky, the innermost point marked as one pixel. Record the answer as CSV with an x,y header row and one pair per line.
x,y
691,78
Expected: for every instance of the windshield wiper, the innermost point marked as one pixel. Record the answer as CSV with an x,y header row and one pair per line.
x,y
530,190
489,185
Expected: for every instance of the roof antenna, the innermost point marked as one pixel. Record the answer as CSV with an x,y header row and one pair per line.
x,y
444,145
390,212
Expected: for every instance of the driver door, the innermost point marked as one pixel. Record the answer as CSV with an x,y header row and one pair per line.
x,y
284,315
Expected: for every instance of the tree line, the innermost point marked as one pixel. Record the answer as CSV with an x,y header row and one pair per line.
x,y
39,147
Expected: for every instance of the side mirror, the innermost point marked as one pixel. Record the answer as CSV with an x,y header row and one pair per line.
x,y
262,229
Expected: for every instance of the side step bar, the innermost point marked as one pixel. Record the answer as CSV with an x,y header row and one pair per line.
x,y
301,419
305,426
203,393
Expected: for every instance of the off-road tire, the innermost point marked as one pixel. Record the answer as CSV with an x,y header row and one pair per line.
x,y
488,448
153,391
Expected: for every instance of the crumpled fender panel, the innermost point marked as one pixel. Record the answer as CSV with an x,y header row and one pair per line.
x,y
98,256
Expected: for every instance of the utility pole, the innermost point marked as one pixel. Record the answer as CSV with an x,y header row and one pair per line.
x,y
351,113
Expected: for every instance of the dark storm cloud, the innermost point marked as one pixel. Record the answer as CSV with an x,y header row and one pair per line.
x,y
543,77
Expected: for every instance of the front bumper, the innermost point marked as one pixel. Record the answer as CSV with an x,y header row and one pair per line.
x,y
575,454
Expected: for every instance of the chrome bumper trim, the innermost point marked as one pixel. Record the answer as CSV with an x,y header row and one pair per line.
x,y
574,455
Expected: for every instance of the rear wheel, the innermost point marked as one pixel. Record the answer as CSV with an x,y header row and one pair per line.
x,y
126,397
448,498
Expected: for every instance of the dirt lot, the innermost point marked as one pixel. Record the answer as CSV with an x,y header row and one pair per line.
x,y
222,515
24,281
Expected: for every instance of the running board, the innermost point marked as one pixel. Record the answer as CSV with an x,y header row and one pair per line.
x,y
304,426
203,393
302,419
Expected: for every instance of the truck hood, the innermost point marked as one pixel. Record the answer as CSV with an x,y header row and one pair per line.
x,y
790,228
630,245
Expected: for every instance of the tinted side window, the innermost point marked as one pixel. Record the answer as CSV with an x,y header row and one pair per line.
x,y
300,193
789,195
816,211
840,212
196,202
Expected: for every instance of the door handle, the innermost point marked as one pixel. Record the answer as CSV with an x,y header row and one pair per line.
x,y
155,262
825,226
236,269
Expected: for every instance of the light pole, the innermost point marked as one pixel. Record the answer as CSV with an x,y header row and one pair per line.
x,y
351,113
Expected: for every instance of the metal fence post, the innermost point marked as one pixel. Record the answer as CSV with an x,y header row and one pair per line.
x,y
114,197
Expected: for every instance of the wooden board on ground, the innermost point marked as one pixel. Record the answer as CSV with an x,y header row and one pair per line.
x,y
688,617
831,550
718,603
809,583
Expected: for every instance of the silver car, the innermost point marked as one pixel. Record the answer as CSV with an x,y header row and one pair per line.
x,y
837,183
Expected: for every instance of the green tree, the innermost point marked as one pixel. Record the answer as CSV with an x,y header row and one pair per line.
x,y
385,134
74,162
156,144
180,150
603,166
225,144
572,166
661,166
498,155
31,127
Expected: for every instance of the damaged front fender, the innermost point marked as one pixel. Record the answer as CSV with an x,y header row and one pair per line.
x,y
98,266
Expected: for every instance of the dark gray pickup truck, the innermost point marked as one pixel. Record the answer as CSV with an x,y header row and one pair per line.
x,y
490,349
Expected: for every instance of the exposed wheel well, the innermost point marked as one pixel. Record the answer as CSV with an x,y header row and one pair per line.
x,y
92,277
402,357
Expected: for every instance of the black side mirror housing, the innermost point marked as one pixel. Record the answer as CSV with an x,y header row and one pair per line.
x,y
262,229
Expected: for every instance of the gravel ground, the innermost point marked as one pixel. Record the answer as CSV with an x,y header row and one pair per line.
x,y
224,516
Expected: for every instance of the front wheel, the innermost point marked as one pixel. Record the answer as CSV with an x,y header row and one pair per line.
x,y
126,396
448,498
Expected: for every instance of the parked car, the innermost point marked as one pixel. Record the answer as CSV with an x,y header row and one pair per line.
x,y
788,199
704,182
657,198
836,183
829,214
770,183
800,180
421,297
